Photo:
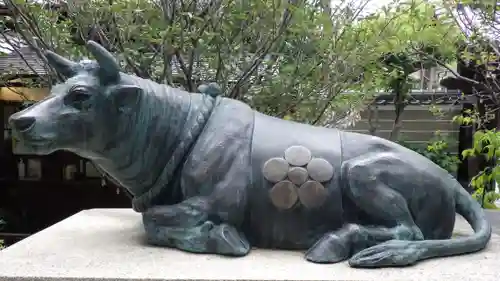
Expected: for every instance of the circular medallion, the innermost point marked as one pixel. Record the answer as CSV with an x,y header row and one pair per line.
x,y
319,169
297,155
283,195
312,194
275,169
297,175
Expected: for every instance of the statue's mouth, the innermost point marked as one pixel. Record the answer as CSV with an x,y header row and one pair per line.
x,y
38,143
31,141
36,146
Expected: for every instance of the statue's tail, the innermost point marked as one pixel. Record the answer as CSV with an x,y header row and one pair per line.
x,y
470,209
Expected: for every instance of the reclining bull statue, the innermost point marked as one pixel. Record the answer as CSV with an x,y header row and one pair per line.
x,y
211,175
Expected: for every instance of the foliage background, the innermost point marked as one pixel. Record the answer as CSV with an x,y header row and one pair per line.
x,y
291,59
303,60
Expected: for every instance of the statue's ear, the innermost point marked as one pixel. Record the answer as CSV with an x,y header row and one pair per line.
x,y
125,98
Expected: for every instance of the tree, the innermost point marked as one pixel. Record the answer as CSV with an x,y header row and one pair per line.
x,y
416,38
290,59
478,60
271,54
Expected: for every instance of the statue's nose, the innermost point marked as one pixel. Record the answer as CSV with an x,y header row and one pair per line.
x,y
22,124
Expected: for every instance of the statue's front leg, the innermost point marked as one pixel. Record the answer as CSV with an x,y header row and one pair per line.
x,y
186,226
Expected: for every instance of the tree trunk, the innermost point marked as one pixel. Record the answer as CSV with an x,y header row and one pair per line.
x,y
399,91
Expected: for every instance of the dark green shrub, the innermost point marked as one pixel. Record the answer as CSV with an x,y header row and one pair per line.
x,y
437,150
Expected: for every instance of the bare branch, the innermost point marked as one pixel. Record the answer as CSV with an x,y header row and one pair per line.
x,y
263,51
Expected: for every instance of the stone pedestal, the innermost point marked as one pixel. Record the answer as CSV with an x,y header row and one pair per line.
x,y
108,244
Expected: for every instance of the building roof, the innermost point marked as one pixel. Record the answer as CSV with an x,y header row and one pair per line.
x,y
22,63
10,41
16,57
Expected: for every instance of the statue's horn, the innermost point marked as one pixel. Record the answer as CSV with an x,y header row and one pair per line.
x,y
108,65
62,65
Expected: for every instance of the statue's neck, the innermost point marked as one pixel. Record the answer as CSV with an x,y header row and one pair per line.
x,y
144,157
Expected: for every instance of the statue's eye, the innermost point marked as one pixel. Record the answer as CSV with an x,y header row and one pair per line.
x,y
78,98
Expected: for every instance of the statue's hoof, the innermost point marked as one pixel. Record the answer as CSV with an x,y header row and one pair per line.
x,y
329,249
228,241
388,254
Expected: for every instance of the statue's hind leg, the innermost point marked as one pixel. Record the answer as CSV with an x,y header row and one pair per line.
x,y
435,216
365,183
340,245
